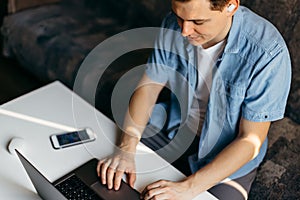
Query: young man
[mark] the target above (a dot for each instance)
(229, 73)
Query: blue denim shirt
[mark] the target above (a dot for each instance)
(251, 79)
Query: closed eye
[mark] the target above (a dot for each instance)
(198, 22)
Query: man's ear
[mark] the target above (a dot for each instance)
(232, 6)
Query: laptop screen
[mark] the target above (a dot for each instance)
(44, 188)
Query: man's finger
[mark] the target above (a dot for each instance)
(103, 170)
(161, 196)
(151, 187)
(98, 168)
(110, 173)
(118, 179)
(156, 184)
(154, 192)
(131, 178)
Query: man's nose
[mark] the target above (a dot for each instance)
(187, 28)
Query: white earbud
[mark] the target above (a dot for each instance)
(230, 8)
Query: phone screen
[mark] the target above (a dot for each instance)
(72, 137)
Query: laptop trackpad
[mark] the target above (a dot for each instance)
(125, 192)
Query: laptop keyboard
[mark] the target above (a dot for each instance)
(74, 188)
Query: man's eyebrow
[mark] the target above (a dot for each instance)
(192, 20)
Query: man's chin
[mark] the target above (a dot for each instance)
(195, 42)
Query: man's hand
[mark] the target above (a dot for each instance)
(112, 169)
(167, 190)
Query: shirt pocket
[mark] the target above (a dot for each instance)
(233, 96)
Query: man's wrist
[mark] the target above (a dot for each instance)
(133, 132)
(190, 186)
(130, 140)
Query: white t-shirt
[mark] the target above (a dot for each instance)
(206, 60)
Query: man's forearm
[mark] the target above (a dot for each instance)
(242, 150)
(139, 112)
(227, 162)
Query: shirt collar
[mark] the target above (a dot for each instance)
(234, 36)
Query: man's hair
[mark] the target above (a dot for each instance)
(214, 4)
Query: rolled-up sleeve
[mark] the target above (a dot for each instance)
(267, 94)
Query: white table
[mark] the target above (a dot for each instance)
(52, 109)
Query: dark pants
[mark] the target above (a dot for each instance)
(237, 189)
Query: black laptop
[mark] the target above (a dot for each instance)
(81, 183)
